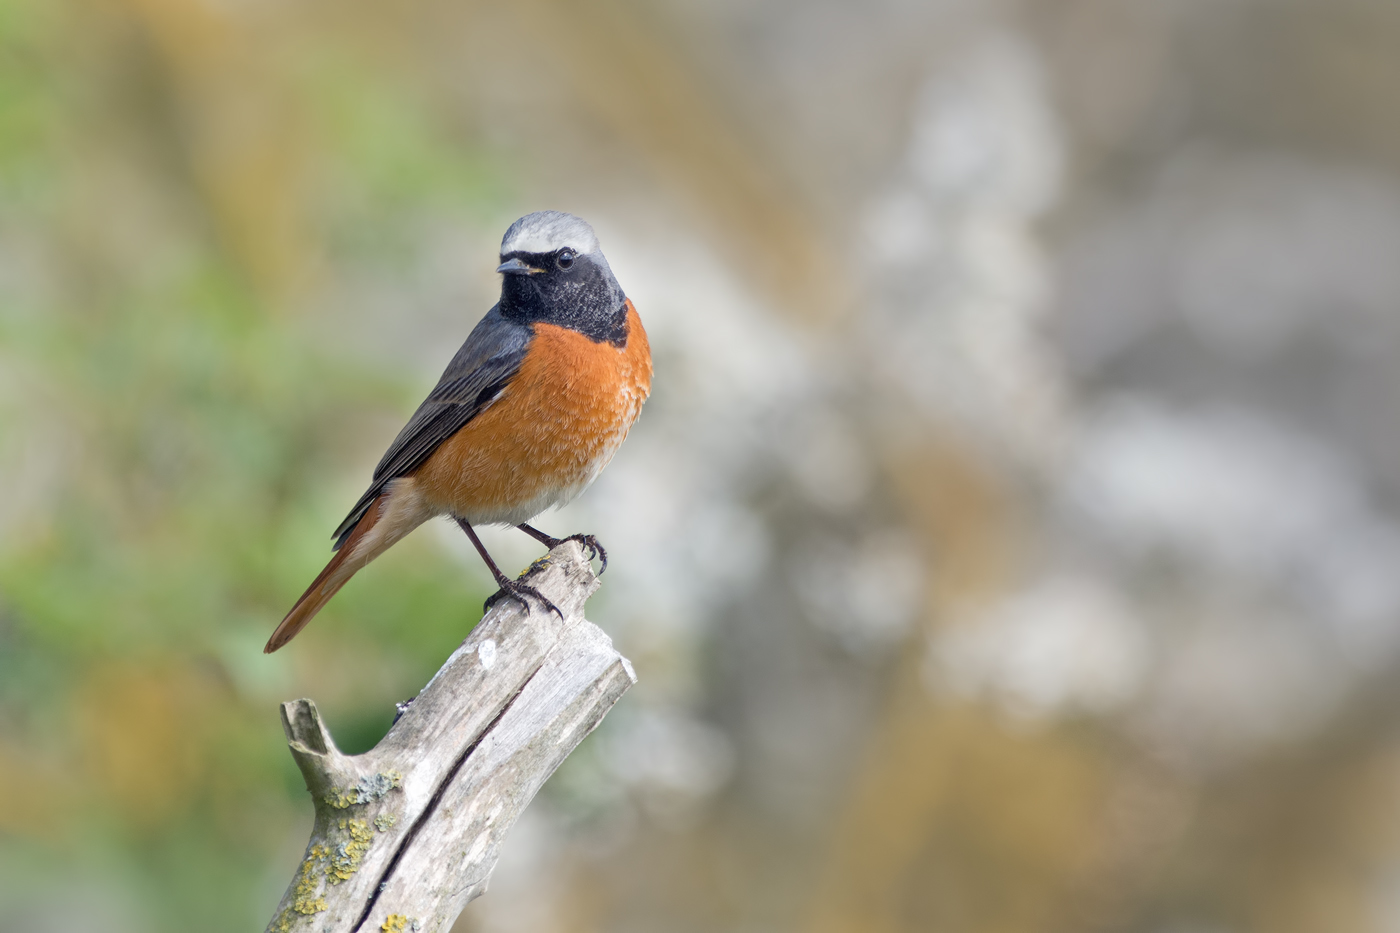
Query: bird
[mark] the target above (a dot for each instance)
(527, 414)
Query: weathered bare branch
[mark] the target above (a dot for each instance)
(407, 833)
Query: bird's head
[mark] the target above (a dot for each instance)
(556, 273)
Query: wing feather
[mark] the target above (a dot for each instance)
(483, 366)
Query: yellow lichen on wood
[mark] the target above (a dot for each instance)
(305, 897)
(366, 789)
(398, 923)
(306, 900)
(345, 860)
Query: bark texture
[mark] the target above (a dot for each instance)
(408, 832)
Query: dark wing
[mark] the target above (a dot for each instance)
(477, 374)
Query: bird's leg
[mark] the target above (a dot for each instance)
(595, 549)
(513, 589)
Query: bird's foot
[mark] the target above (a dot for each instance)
(401, 708)
(593, 546)
(596, 551)
(514, 589)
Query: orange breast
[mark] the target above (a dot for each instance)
(554, 428)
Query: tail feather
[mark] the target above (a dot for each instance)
(327, 583)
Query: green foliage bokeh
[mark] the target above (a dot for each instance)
(178, 439)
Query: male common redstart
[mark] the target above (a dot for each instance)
(526, 416)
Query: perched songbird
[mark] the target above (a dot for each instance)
(526, 416)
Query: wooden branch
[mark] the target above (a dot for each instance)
(407, 833)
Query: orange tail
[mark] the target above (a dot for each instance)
(327, 583)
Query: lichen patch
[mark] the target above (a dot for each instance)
(306, 897)
(346, 857)
(368, 788)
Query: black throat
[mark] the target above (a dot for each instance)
(583, 297)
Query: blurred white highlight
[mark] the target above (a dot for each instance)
(1066, 645)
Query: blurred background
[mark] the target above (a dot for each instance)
(1011, 542)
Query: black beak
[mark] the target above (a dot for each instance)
(516, 267)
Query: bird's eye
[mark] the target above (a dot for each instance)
(566, 258)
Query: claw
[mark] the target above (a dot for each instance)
(596, 551)
(517, 591)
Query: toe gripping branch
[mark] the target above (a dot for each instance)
(595, 548)
(514, 589)
(592, 545)
(509, 589)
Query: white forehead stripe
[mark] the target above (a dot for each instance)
(547, 231)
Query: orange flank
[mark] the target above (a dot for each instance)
(554, 428)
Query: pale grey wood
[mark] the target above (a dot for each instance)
(407, 833)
